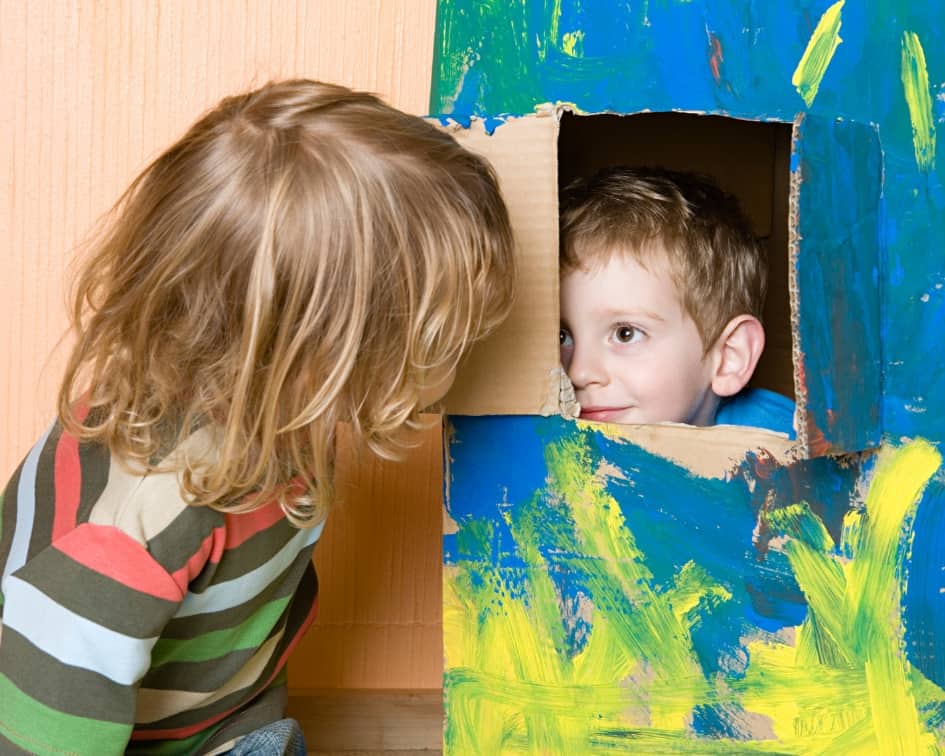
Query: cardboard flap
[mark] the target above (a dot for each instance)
(836, 267)
(514, 371)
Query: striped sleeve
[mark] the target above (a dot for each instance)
(132, 620)
(71, 660)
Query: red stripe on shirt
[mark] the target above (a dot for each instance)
(241, 526)
(111, 552)
(67, 475)
(210, 551)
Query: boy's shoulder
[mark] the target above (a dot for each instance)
(758, 408)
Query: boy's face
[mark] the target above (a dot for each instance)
(632, 352)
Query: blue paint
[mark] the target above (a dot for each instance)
(836, 257)
(472, 452)
(492, 123)
(924, 602)
(451, 120)
(871, 253)
(716, 721)
(506, 506)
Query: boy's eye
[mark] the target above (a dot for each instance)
(626, 334)
(564, 338)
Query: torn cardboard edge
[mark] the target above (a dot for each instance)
(794, 246)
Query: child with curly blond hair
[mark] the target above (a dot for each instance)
(303, 256)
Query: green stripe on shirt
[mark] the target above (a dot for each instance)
(249, 634)
(37, 728)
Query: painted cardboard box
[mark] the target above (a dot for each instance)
(664, 589)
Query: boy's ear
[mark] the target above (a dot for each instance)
(737, 352)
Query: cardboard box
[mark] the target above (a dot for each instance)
(698, 590)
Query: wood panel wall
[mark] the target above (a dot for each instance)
(91, 90)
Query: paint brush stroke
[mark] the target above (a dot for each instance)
(847, 685)
(576, 607)
(915, 84)
(816, 58)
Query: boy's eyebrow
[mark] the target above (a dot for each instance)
(631, 313)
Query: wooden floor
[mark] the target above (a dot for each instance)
(370, 722)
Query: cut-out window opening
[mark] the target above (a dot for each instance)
(749, 159)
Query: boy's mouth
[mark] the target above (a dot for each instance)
(601, 414)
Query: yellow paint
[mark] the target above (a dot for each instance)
(554, 26)
(508, 674)
(915, 84)
(656, 643)
(816, 58)
(572, 43)
(846, 685)
(873, 596)
(839, 683)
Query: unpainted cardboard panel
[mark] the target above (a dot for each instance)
(379, 571)
(508, 373)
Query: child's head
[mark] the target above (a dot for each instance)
(662, 289)
(304, 255)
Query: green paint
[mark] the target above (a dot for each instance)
(915, 84)
(816, 58)
(513, 44)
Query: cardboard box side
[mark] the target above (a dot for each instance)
(379, 573)
(837, 301)
(508, 373)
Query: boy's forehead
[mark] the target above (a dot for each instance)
(621, 280)
(652, 255)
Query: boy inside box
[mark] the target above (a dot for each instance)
(662, 290)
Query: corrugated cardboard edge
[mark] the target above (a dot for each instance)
(560, 398)
(450, 525)
(794, 245)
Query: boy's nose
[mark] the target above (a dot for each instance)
(585, 368)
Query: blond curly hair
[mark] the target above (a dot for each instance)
(304, 255)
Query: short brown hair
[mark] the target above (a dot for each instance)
(718, 265)
(304, 255)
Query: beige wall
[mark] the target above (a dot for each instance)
(91, 89)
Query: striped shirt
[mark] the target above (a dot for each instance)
(132, 622)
